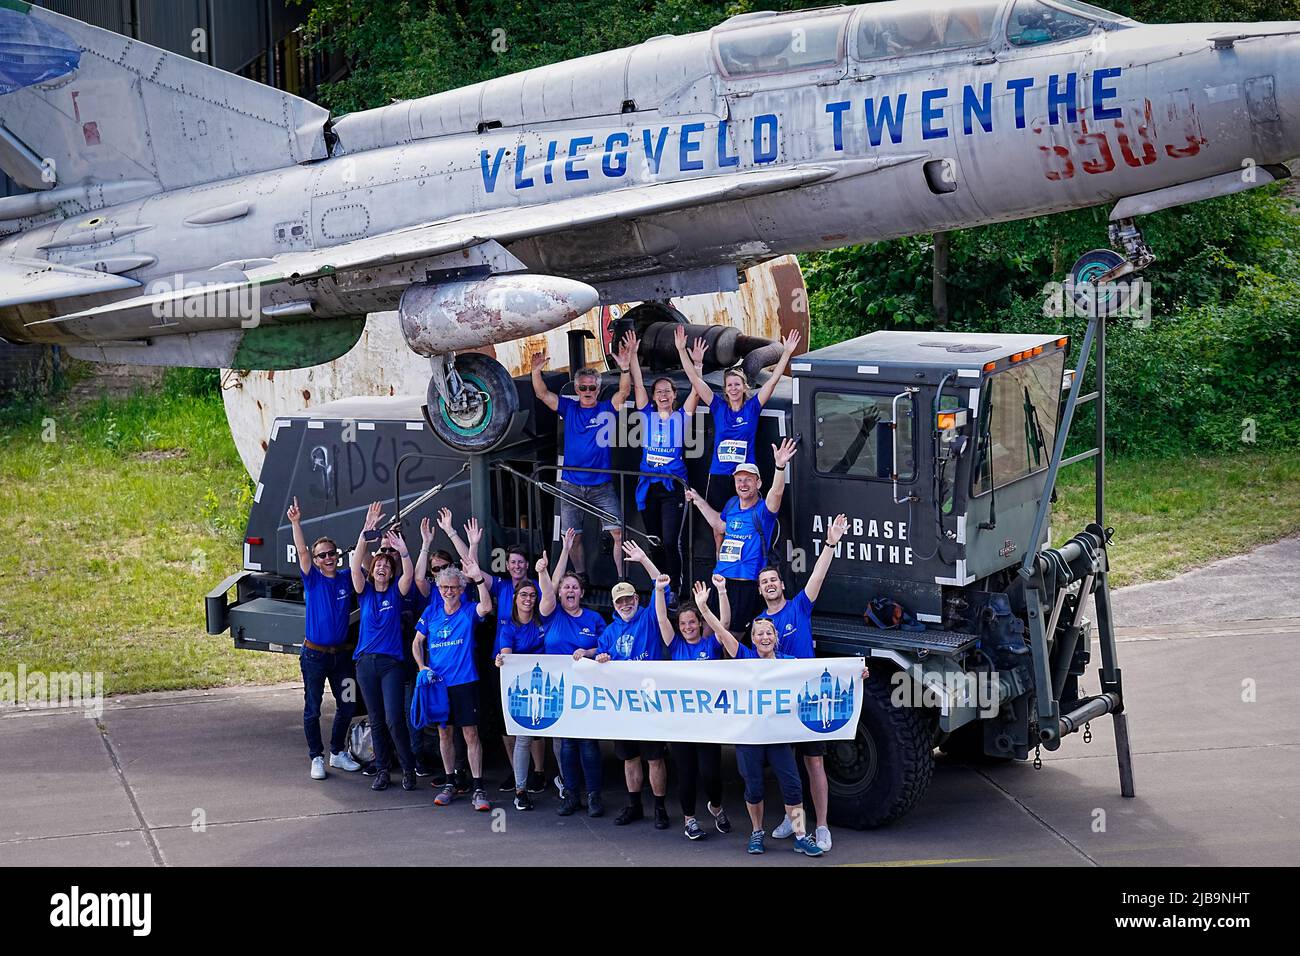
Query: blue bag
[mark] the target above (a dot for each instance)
(429, 704)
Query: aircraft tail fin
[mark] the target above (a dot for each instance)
(80, 105)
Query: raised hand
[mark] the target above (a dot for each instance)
(785, 452)
(836, 530)
(568, 537)
(697, 350)
(469, 567)
(791, 342)
(539, 360)
(294, 514)
(374, 514)
(701, 594)
(426, 532)
(542, 562)
(396, 542)
(662, 582)
(679, 337)
(719, 582)
(444, 520)
(473, 533)
(633, 551)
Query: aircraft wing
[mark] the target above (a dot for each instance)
(503, 225)
(35, 280)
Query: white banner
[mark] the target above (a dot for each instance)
(732, 702)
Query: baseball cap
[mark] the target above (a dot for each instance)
(747, 468)
(622, 590)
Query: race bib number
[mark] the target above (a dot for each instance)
(732, 451)
(658, 461)
(730, 551)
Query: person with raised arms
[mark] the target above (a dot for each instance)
(633, 635)
(520, 632)
(444, 644)
(589, 429)
(698, 764)
(378, 655)
(746, 524)
(793, 623)
(503, 595)
(659, 498)
(735, 417)
(328, 599)
(750, 758)
(574, 630)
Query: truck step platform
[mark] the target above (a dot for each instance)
(846, 636)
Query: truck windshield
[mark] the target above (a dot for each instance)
(1018, 422)
(853, 437)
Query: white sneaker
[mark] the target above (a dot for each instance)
(824, 839)
(318, 768)
(784, 830)
(343, 761)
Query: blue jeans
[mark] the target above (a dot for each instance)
(580, 760)
(383, 685)
(317, 668)
(780, 757)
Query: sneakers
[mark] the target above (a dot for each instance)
(522, 800)
(463, 781)
(806, 846)
(343, 761)
(480, 801)
(445, 795)
(720, 819)
(381, 780)
(369, 770)
(629, 814)
(537, 781)
(693, 830)
(318, 768)
(784, 830)
(423, 769)
(568, 806)
(595, 806)
(409, 782)
(824, 839)
(755, 842)
(508, 784)
(661, 819)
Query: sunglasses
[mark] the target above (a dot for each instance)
(386, 551)
(325, 554)
(435, 568)
(588, 388)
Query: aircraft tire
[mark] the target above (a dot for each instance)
(885, 770)
(480, 430)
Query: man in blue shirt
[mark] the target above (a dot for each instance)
(328, 596)
(793, 623)
(444, 643)
(746, 524)
(634, 635)
(590, 431)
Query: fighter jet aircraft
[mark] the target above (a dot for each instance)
(185, 216)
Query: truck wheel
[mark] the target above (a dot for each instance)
(883, 772)
(482, 422)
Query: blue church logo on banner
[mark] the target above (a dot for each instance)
(537, 704)
(827, 706)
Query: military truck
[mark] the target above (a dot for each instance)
(943, 448)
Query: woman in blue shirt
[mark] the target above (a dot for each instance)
(380, 667)
(735, 417)
(696, 762)
(664, 426)
(520, 632)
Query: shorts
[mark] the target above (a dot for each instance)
(811, 748)
(462, 705)
(720, 490)
(603, 496)
(631, 749)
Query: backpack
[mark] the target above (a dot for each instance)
(887, 614)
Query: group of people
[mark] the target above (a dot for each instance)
(546, 614)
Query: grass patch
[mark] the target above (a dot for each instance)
(121, 524)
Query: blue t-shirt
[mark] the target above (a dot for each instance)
(662, 449)
(449, 644)
(329, 602)
(745, 541)
(706, 648)
(566, 633)
(381, 621)
(733, 434)
(635, 640)
(527, 638)
(503, 599)
(794, 626)
(744, 653)
(588, 436)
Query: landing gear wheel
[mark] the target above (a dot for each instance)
(883, 772)
(1092, 295)
(472, 409)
